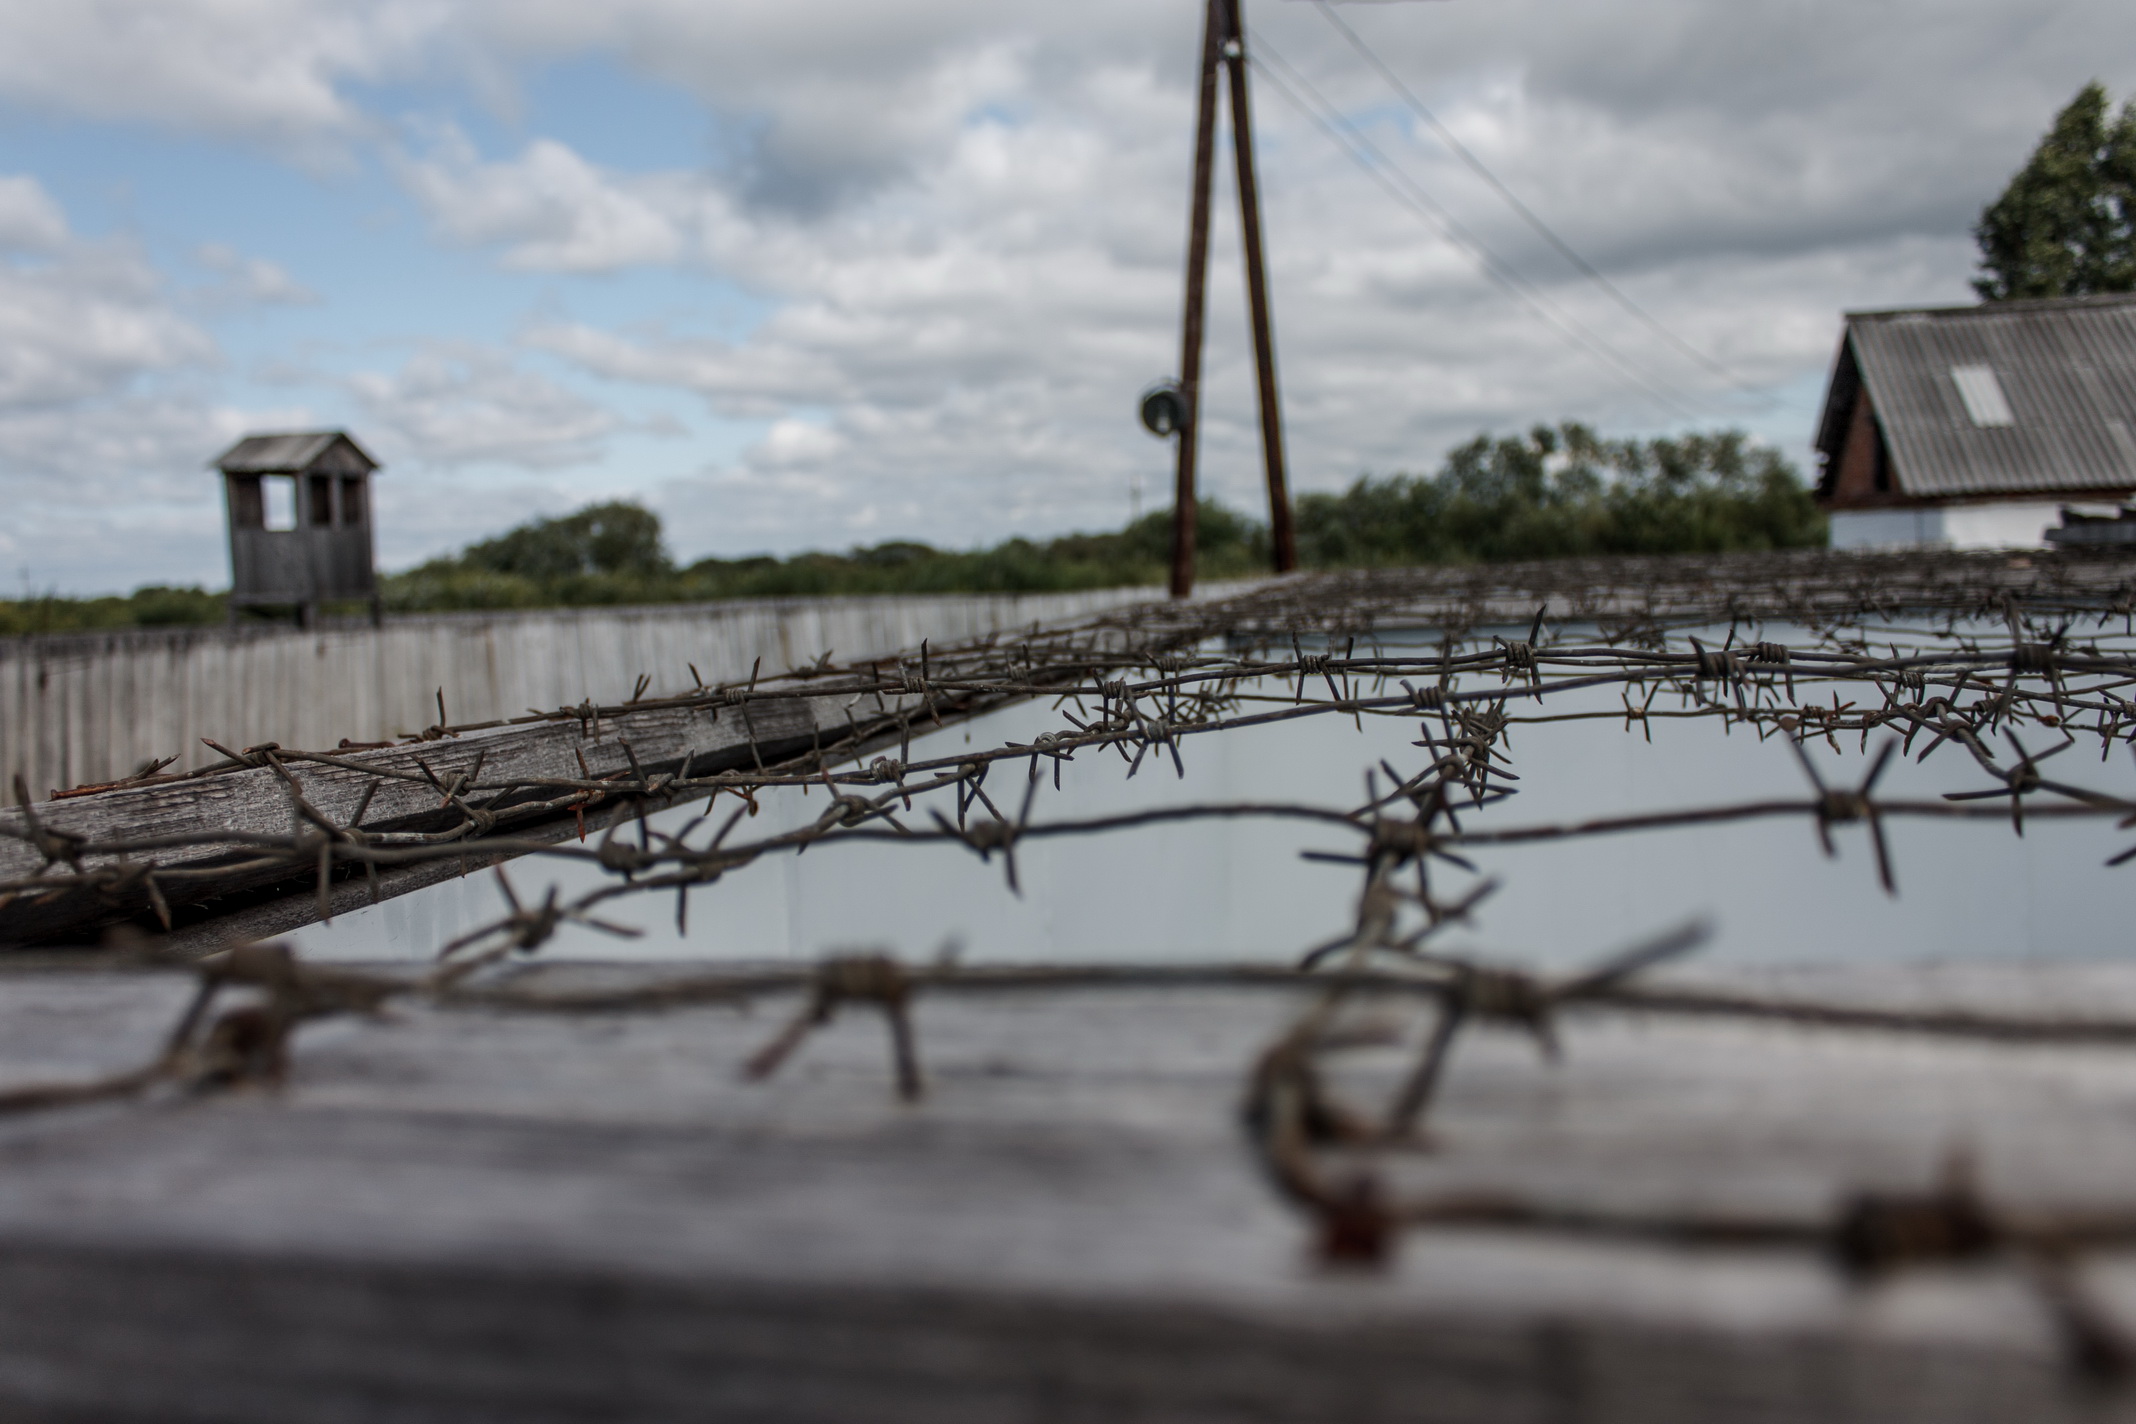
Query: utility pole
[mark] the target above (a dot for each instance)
(1224, 46)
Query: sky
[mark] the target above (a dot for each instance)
(817, 273)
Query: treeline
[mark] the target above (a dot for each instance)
(152, 607)
(1554, 492)
(1563, 492)
(612, 553)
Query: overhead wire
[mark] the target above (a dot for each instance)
(1382, 169)
(1528, 215)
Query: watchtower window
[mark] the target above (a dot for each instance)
(246, 511)
(321, 496)
(352, 500)
(278, 499)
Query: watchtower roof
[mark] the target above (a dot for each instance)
(299, 452)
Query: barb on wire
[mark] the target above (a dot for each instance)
(1841, 806)
(1518, 1000)
(870, 978)
(522, 931)
(1911, 652)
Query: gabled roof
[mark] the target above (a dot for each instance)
(295, 453)
(2003, 398)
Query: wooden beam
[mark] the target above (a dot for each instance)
(257, 800)
(456, 1215)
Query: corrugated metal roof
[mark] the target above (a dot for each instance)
(293, 452)
(2066, 371)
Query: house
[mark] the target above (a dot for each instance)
(1973, 427)
(300, 522)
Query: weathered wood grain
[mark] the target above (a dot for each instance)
(256, 800)
(468, 1215)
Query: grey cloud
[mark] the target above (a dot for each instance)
(272, 73)
(111, 493)
(548, 208)
(459, 404)
(86, 320)
(739, 383)
(1658, 128)
(822, 104)
(30, 221)
(107, 410)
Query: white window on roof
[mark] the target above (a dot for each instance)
(1982, 394)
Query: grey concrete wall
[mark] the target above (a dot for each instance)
(79, 709)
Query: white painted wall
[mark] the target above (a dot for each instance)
(1885, 528)
(1990, 524)
(81, 709)
(2003, 525)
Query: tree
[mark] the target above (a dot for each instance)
(2066, 225)
(615, 538)
(1567, 491)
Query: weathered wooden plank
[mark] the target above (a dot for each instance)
(256, 800)
(474, 1215)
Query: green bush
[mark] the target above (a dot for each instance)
(160, 607)
(152, 607)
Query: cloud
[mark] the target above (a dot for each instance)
(963, 327)
(549, 209)
(818, 105)
(111, 492)
(108, 407)
(243, 281)
(757, 380)
(798, 444)
(460, 404)
(80, 318)
(960, 223)
(29, 220)
(268, 71)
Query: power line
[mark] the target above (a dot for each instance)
(1512, 200)
(1406, 190)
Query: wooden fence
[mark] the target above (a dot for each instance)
(84, 708)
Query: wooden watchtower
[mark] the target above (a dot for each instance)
(300, 522)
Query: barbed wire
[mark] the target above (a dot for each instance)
(2003, 664)
(1943, 695)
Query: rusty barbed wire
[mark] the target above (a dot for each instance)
(1970, 654)
(2047, 682)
